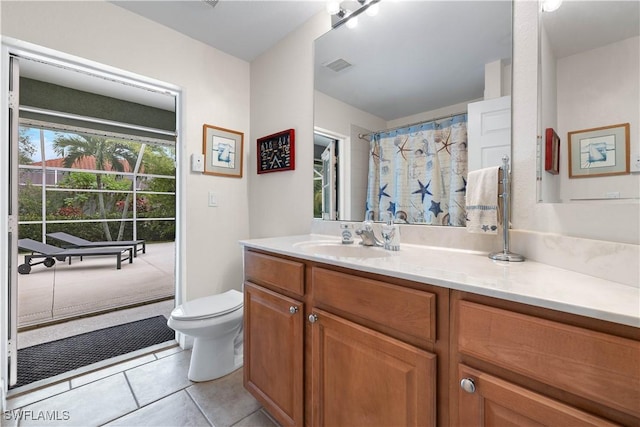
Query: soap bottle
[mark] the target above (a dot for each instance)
(391, 234)
(347, 233)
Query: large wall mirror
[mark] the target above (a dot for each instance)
(589, 114)
(416, 66)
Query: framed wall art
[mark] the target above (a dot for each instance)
(277, 152)
(222, 151)
(599, 151)
(552, 152)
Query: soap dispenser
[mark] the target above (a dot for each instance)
(391, 234)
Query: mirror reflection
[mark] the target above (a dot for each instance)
(589, 91)
(403, 106)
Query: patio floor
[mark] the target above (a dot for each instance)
(93, 285)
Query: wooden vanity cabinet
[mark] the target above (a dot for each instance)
(274, 335)
(370, 347)
(367, 368)
(515, 364)
(328, 346)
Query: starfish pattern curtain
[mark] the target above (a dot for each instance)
(419, 173)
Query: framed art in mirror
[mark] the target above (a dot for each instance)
(552, 152)
(277, 152)
(222, 150)
(599, 151)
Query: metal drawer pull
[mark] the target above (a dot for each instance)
(468, 385)
(313, 318)
(293, 309)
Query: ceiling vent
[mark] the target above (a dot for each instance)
(211, 3)
(337, 65)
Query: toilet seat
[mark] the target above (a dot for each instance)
(209, 307)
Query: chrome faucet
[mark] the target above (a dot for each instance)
(367, 235)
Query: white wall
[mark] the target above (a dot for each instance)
(215, 90)
(597, 88)
(548, 111)
(281, 203)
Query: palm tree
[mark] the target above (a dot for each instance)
(108, 153)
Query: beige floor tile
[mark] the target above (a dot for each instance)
(224, 401)
(90, 405)
(161, 378)
(175, 410)
(111, 370)
(257, 419)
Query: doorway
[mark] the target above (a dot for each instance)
(325, 176)
(93, 154)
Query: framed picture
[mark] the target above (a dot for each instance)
(277, 152)
(222, 151)
(552, 152)
(599, 151)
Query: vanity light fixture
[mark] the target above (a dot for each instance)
(352, 22)
(550, 5)
(340, 15)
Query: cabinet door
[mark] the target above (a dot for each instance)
(273, 353)
(485, 400)
(361, 377)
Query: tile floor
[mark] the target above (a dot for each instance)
(150, 390)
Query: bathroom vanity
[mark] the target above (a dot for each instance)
(346, 335)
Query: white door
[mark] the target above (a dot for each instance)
(11, 191)
(329, 182)
(489, 132)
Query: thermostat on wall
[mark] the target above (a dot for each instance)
(197, 162)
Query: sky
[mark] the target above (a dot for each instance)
(49, 136)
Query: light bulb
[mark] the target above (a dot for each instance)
(373, 9)
(352, 22)
(551, 5)
(333, 7)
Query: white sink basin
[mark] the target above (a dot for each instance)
(337, 249)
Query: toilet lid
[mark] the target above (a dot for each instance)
(211, 306)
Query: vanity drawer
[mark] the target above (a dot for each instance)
(405, 313)
(594, 365)
(275, 272)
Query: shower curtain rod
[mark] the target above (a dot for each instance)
(448, 116)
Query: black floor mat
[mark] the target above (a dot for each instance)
(56, 357)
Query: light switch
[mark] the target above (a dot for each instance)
(213, 199)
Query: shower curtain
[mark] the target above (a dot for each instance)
(419, 173)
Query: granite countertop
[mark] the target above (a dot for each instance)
(526, 282)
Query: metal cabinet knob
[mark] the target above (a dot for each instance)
(293, 309)
(468, 385)
(313, 318)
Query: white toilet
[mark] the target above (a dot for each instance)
(215, 323)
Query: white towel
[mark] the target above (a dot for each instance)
(482, 201)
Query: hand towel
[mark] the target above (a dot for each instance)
(482, 200)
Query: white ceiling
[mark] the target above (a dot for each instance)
(578, 26)
(242, 28)
(247, 28)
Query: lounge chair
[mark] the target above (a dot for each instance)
(52, 253)
(78, 242)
